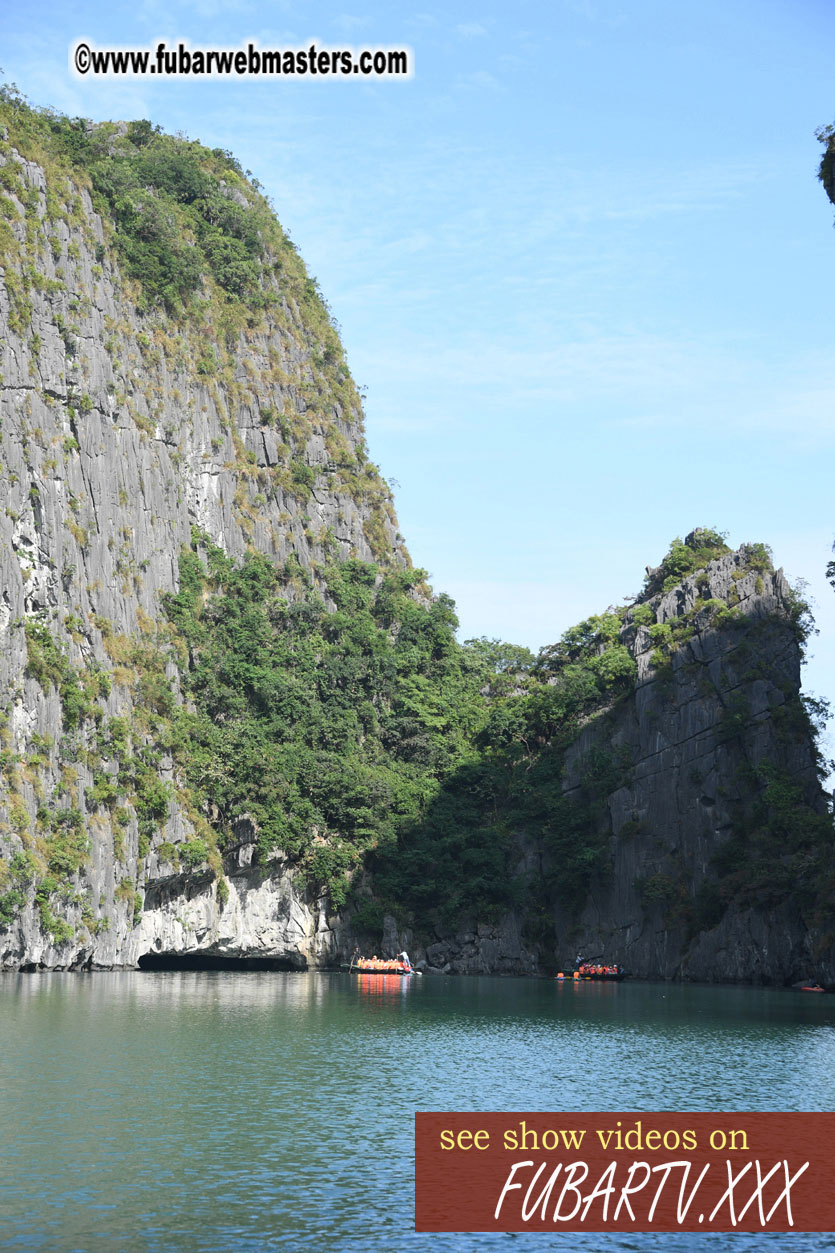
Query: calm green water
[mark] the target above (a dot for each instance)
(215, 1111)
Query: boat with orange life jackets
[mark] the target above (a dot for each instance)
(594, 972)
(399, 965)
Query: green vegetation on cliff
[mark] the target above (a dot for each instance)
(186, 221)
(365, 734)
(358, 734)
(683, 558)
(215, 296)
(324, 732)
(826, 170)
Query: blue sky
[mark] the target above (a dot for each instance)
(580, 260)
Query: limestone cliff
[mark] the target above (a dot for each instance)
(234, 723)
(707, 733)
(122, 428)
(702, 802)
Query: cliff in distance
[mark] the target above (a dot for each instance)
(234, 721)
(677, 826)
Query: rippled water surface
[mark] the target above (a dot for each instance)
(215, 1111)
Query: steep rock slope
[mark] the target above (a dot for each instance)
(131, 414)
(704, 851)
(679, 828)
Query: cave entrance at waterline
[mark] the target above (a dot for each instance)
(212, 961)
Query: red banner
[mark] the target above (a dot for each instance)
(624, 1172)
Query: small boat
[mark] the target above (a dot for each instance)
(363, 966)
(812, 987)
(589, 972)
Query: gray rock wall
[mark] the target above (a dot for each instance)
(118, 434)
(694, 737)
(690, 739)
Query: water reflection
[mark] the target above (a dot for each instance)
(377, 987)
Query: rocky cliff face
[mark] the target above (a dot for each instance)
(120, 432)
(703, 733)
(716, 812)
(134, 430)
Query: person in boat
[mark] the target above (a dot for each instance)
(403, 958)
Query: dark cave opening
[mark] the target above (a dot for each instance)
(213, 961)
